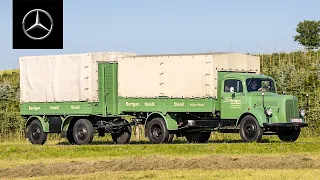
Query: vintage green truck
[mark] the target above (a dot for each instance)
(187, 95)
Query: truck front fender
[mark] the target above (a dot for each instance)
(257, 113)
(44, 122)
(170, 122)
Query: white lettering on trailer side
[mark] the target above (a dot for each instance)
(34, 108)
(54, 107)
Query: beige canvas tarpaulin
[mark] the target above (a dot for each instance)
(61, 78)
(180, 75)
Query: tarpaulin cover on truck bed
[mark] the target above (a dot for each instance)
(179, 75)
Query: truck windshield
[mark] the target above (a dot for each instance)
(260, 84)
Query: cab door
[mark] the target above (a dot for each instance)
(232, 99)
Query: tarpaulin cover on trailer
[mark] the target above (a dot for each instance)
(61, 78)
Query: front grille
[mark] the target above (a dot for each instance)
(292, 109)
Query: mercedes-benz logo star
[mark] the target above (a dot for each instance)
(37, 24)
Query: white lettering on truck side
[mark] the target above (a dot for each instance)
(197, 104)
(132, 104)
(34, 108)
(149, 104)
(178, 104)
(75, 106)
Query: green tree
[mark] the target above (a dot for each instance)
(308, 34)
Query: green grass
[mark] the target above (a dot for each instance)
(10, 151)
(142, 160)
(101, 148)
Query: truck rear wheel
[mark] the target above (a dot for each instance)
(35, 133)
(157, 131)
(70, 137)
(289, 135)
(124, 136)
(171, 136)
(198, 137)
(250, 129)
(83, 132)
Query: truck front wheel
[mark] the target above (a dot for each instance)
(250, 129)
(198, 137)
(289, 135)
(35, 133)
(83, 132)
(157, 131)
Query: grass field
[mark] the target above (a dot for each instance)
(223, 159)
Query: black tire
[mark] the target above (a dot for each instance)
(70, 137)
(250, 130)
(35, 133)
(198, 137)
(123, 137)
(83, 132)
(157, 131)
(171, 136)
(289, 135)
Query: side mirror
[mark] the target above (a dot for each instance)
(232, 89)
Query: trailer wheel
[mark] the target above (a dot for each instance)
(157, 131)
(198, 137)
(83, 132)
(289, 135)
(35, 133)
(250, 129)
(124, 136)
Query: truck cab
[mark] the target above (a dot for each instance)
(251, 102)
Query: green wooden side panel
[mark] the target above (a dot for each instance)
(111, 83)
(108, 89)
(58, 108)
(166, 105)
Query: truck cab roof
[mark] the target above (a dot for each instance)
(243, 75)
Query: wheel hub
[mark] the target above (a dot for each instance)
(81, 133)
(156, 132)
(36, 133)
(250, 130)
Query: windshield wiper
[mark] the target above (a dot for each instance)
(249, 81)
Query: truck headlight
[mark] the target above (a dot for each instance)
(302, 112)
(268, 111)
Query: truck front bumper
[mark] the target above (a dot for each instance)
(284, 125)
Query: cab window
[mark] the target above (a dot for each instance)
(236, 84)
(260, 84)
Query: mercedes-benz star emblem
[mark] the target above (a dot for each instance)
(37, 24)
